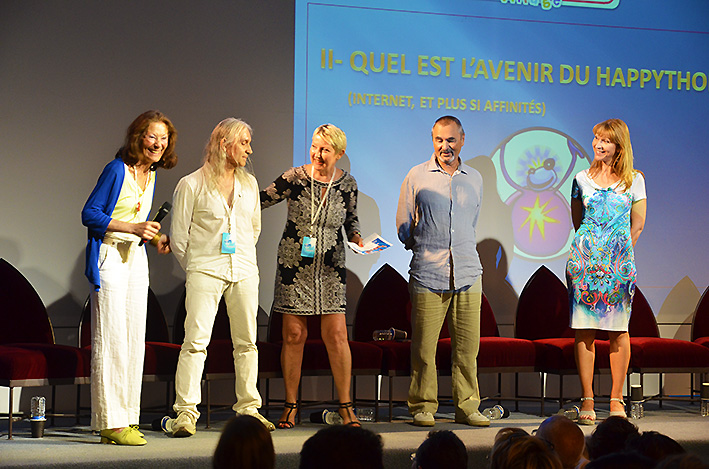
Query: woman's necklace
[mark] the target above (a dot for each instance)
(309, 242)
(141, 190)
(313, 213)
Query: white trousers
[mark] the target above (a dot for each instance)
(118, 317)
(202, 301)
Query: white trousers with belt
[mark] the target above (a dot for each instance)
(201, 303)
(118, 317)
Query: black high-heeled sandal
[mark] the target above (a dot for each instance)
(350, 411)
(287, 424)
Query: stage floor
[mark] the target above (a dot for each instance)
(75, 446)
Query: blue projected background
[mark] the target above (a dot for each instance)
(528, 84)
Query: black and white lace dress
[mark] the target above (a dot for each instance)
(312, 285)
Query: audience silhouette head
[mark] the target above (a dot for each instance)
(441, 449)
(342, 447)
(654, 445)
(564, 437)
(245, 444)
(610, 437)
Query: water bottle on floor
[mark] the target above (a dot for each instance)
(637, 410)
(572, 413)
(166, 424)
(496, 412)
(327, 417)
(385, 334)
(37, 406)
(37, 416)
(389, 334)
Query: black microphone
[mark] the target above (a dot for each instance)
(162, 213)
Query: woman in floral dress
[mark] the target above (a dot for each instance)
(608, 206)
(310, 276)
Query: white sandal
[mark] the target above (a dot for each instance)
(587, 417)
(618, 413)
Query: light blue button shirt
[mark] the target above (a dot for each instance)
(436, 219)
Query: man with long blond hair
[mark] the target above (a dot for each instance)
(216, 223)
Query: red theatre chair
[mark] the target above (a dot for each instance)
(651, 354)
(496, 355)
(700, 323)
(543, 317)
(28, 355)
(384, 303)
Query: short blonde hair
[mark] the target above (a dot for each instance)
(332, 135)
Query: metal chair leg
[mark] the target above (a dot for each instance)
(209, 404)
(377, 384)
(391, 393)
(10, 417)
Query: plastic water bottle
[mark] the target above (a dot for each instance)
(365, 414)
(496, 412)
(383, 334)
(37, 416)
(37, 408)
(572, 413)
(704, 405)
(166, 424)
(331, 417)
(637, 410)
(327, 417)
(389, 334)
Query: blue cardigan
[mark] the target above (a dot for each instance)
(96, 214)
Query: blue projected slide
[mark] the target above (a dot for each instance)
(528, 79)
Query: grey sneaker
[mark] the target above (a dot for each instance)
(184, 425)
(424, 419)
(476, 419)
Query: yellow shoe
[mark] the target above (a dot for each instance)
(136, 428)
(125, 436)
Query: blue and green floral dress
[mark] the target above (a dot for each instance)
(600, 272)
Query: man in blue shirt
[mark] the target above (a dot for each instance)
(438, 211)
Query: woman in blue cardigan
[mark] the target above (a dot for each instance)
(116, 215)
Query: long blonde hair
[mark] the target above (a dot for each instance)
(617, 132)
(214, 152)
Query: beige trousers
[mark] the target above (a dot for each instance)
(429, 310)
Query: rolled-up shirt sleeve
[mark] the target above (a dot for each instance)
(406, 213)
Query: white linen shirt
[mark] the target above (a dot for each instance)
(200, 216)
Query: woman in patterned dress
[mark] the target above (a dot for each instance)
(608, 206)
(310, 276)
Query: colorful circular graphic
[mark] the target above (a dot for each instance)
(535, 169)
